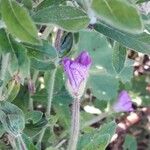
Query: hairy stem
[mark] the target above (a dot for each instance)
(49, 103)
(75, 125)
(58, 39)
(41, 137)
(50, 92)
(34, 78)
(23, 146)
(4, 65)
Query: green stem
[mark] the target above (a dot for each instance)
(20, 145)
(41, 137)
(50, 91)
(34, 78)
(75, 125)
(23, 146)
(4, 65)
(49, 103)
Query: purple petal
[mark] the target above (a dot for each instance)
(84, 59)
(124, 103)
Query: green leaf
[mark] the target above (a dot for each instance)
(61, 104)
(67, 17)
(12, 118)
(41, 65)
(130, 143)
(47, 3)
(142, 1)
(119, 57)
(18, 21)
(45, 48)
(127, 73)
(139, 42)
(5, 46)
(118, 13)
(21, 58)
(104, 87)
(99, 49)
(98, 139)
(13, 90)
(27, 3)
(35, 116)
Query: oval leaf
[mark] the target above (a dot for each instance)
(67, 17)
(18, 21)
(118, 13)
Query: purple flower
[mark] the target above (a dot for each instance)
(77, 71)
(124, 103)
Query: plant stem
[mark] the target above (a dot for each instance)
(34, 78)
(23, 146)
(4, 65)
(50, 91)
(49, 103)
(75, 124)
(58, 39)
(41, 137)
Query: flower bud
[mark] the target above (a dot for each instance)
(77, 73)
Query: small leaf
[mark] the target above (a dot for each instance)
(130, 143)
(98, 139)
(108, 10)
(12, 118)
(35, 116)
(119, 57)
(18, 21)
(21, 58)
(67, 17)
(13, 90)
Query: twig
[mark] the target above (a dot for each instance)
(60, 143)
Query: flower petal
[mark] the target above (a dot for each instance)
(84, 59)
(124, 102)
